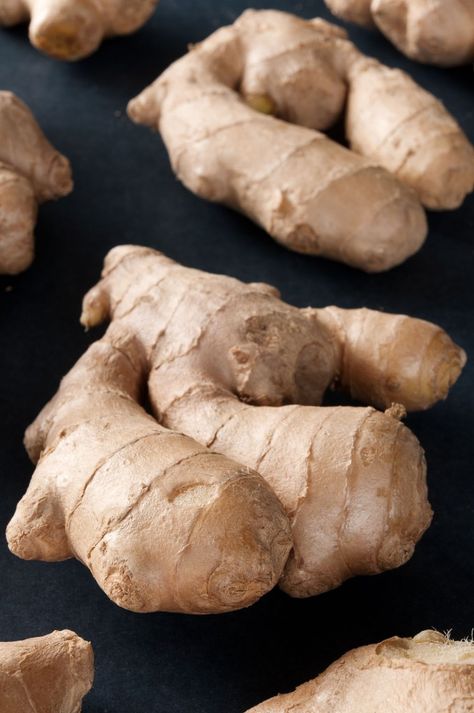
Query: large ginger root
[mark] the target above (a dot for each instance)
(433, 31)
(308, 192)
(224, 361)
(73, 29)
(429, 672)
(31, 172)
(50, 674)
(162, 523)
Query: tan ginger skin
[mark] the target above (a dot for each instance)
(310, 193)
(428, 673)
(229, 364)
(50, 674)
(437, 32)
(31, 172)
(73, 29)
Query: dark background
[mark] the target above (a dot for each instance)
(126, 193)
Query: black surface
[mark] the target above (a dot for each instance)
(126, 193)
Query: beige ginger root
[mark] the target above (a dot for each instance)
(308, 192)
(228, 364)
(161, 522)
(73, 29)
(50, 674)
(433, 31)
(31, 172)
(426, 673)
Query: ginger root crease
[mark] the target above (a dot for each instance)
(50, 674)
(437, 32)
(162, 522)
(359, 206)
(31, 172)
(73, 29)
(428, 672)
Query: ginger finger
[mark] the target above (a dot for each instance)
(74, 29)
(49, 674)
(31, 172)
(429, 672)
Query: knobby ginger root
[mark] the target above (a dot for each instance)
(50, 674)
(74, 29)
(308, 192)
(162, 523)
(433, 31)
(428, 672)
(31, 172)
(228, 364)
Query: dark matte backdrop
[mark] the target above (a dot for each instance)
(126, 193)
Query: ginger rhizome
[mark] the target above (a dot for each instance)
(161, 522)
(426, 673)
(49, 674)
(437, 32)
(235, 368)
(31, 172)
(73, 29)
(359, 206)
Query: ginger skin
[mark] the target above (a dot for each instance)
(31, 172)
(428, 672)
(228, 364)
(311, 194)
(50, 674)
(74, 29)
(439, 32)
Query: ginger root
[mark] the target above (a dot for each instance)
(31, 172)
(311, 194)
(428, 672)
(161, 522)
(437, 32)
(228, 364)
(73, 29)
(50, 674)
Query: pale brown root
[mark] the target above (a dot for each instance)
(395, 122)
(29, 152)
(429, 672)
(309, 193)
(31, 171)
(50, 673)
(12, 12)
(353, 481)
(438, 32)
(73, 29)
(225, 359)
(127, 16)
(377, 363)
(18, 210)
(358, 11)
(162, 523)
(66, 30)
